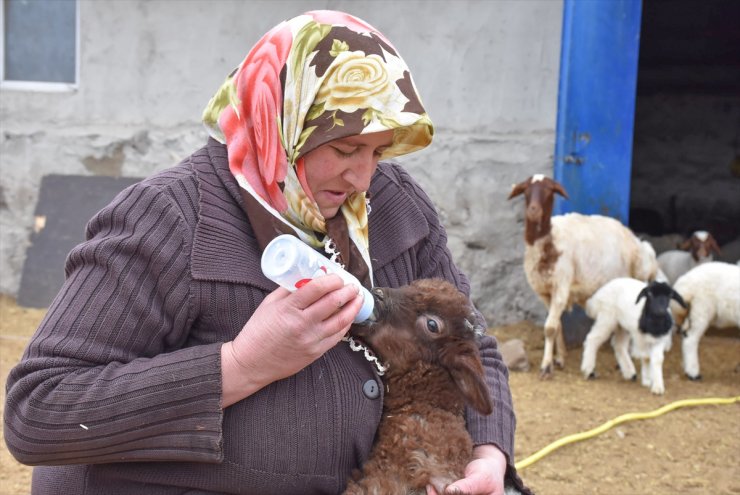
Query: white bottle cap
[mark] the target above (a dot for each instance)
(368, 304)
(280, 258)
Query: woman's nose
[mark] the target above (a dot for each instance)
(361, 171)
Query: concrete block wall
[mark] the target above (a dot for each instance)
(487, 72)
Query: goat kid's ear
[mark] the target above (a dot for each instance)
(558, 188)
(677, 297)
(643, 293)
(518, 189)
(467, 373)
(712, 245)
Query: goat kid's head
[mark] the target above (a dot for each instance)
(701, 245)
(539, 194)
(428, 321)
(656, 317)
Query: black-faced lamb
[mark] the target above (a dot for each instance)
(712, 294)
(697, 249)
(568, 257)
(424, 334)
(631, 310)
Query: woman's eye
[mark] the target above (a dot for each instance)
(345, 154)
(432, 326)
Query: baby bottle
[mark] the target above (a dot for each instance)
(291, 263)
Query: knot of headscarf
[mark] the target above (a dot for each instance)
(321, 76)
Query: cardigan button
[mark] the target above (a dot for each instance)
(371, 389)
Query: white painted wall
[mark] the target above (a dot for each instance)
(487, 72)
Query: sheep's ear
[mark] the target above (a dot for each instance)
(558, 188)
(685, 245)
(467, 373)
(643, 293)
(677, 297)
(517, 189)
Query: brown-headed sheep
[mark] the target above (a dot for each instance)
(567, 258)
(424, 334)
(697, 249)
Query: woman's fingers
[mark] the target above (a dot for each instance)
(325, 296)
(317, 288)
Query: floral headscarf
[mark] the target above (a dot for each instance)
(321, 76)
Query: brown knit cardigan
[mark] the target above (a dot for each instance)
(125, 368)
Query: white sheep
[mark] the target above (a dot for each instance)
(618, 310)
(712, 293)
(694, 251)
(568, 257)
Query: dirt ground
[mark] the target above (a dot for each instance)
(691, 450)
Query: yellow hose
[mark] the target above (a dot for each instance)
(576, 437)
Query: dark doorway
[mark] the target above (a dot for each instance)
(686, 150)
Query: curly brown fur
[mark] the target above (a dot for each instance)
(423, 332)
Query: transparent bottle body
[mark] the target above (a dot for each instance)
(290, 263)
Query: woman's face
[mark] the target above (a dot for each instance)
(339, 168)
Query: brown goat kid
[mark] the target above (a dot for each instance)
(423, 333)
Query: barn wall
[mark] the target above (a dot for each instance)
(487, 73)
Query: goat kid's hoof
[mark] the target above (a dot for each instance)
(546, 372)
(634, 378)
(560, 363)
(455, 491)
(591, 376)
(693, 378)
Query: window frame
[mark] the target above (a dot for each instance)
(40, 86)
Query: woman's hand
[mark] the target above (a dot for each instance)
(287, 332)
(484, 475)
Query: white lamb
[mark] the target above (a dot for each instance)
(618, 309)
(568, 257)
(694, 251)
(712, 293)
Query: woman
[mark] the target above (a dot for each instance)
(169, 364)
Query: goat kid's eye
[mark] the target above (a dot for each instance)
(432, 325)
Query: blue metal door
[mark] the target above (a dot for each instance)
(596, 104)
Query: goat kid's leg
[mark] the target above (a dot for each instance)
(546, 366)
(656, 369)
(620, 344)
(645, 372)
(553, 333)
(695, 329)
(560, 350)
(599, 333)
(382, 483)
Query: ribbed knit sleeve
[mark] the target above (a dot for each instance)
(104, 378)
(433, 259)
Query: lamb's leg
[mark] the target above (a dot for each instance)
(645, 378)
(695, 328)
(553, 332)
(656, 369)
(599, 333)
(621, 345)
